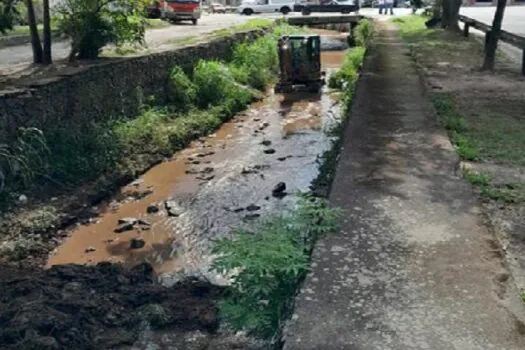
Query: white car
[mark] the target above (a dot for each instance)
(250, 7)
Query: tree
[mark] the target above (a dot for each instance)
(493, 36)
(8, 14)
(450, 14)
(92, 24)
(47, 59)
(38, 54)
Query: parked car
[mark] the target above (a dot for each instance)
(343, 6)
(249, 7)
(181, 10)
(216, 8)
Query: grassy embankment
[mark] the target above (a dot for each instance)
(485, 124)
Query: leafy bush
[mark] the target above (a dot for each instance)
(267, 262)
(92, 24)
(364, 33)
(347, 74)
(215, 84)
(181, 91)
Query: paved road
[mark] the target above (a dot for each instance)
(513, 21)
(19, 55)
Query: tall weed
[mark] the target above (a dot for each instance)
(267, 262)
(364, 33)
(182, 93)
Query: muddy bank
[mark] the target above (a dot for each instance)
(97, 307)
(250, 168)
(220, 183)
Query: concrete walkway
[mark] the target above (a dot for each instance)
(413, 266)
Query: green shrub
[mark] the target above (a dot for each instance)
(216, 85)
(267, 262)
(364, 33)
(92, 24)
(181, 90)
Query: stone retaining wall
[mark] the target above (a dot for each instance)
(112, 88)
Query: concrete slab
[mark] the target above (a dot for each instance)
(413, 267)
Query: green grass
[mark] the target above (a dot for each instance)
(456, 126)
(266, 262)
(475, 178)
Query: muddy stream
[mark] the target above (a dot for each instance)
(219, 183)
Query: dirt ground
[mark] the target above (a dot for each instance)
(493, 106)
(97, 307)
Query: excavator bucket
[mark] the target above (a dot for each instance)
(299, 63)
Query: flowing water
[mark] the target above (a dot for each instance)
(218, 183)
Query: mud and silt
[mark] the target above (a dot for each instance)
(219, 183)
(177, 210)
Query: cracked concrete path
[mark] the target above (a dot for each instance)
(413, 267)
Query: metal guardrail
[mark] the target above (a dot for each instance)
(510, 38)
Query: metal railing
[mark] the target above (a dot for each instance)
(510, 38)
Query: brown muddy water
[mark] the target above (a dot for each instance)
(219, 183)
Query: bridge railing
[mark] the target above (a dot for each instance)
(510, 38)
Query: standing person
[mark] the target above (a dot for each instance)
(389, 4)
(381, 4)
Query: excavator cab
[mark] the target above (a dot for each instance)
(300, 64)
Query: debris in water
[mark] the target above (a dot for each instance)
(269, 151)
(253, 207)
(238, 210)
(143, 222)
(281, 159)
(128, 226)
(127, 220)
(266, 142)
(152, 209)
(207, 170)
(137, 243)
(90, 249)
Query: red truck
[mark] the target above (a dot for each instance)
(180, 10)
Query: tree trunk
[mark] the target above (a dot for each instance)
(47, 59)
(445, 13)
(492, 42)
(35, 38)
(453, 18)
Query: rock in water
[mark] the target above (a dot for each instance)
(266, 142)
(279, 190)
(137, 243)
(152, 209)
(90, 249)
(127, 226)
(269, 151)
(253, 207)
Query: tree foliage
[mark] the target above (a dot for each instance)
(92, 24)
(8, 14)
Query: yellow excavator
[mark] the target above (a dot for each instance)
(300, 64)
